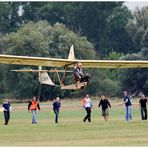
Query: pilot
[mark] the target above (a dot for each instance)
(79, 75)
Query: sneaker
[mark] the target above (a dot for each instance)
(83, 120)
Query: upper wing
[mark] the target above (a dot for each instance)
(114, 64)
(53, 62)
(34, 61)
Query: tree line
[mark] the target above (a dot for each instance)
(98, 30)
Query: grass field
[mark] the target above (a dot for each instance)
(71, 131)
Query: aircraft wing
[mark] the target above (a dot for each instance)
(53, 62)
(34, 61)
(114, 64)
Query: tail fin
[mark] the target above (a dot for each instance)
(71, 55)
(45, 79)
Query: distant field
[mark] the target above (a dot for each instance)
(71, 131)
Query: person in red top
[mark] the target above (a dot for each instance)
(33, 106)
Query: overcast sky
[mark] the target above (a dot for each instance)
(133, 4)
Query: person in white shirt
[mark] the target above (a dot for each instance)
(88, 106)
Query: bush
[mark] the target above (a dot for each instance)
(110, 87)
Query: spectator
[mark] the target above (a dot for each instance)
(6, 109)
(105, 104)
(33, 106)
(143, 107)
(56, 108)
(128, 104)
(88, 106)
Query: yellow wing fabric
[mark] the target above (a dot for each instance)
(34, 61)
(114, 64)
(53, 62)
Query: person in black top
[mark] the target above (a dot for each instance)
(143, 106)
(105, 104)
(6, 109)
(56, 108)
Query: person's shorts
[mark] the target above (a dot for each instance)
(105, 112)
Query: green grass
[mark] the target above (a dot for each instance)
(71, 131)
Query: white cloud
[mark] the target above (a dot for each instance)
(133, 4)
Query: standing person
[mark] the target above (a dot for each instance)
(6, 109)
(128, 104)
(105, 104)
(33, 106)
(56, 108)
(143, 106)
(88, 106)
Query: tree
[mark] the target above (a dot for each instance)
(9, 16)
(135, 80)
(4, 16)
(119, 39)
(15, 19)
(31, 11)
(100, 22)
(138, 29)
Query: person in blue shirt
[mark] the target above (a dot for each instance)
(128, 104)
(56, 108)
(6, 109)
